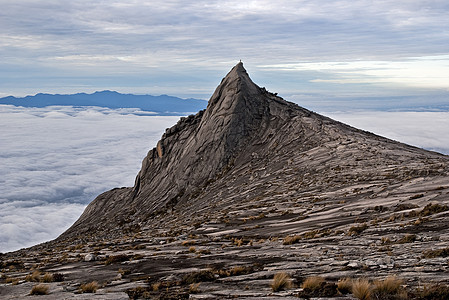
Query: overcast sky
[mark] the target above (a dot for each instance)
(301, 49)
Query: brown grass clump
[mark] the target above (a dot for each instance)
(200, 276)
(431, 209)
(117, 259)
(313, 283)
(155, 286)
(188, 243)
(281, 281)
(90, 287)
(436, 253)
(192, 249)
(408, 238)
(433, 292)
(355, 230)
(194, 288)
(13, 281)
(289, 240)
(40, 289)
(361, 289)
(344, 285)
(34, 277)
(48, 277)
(389, 288)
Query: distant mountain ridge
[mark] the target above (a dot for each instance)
(162, 104)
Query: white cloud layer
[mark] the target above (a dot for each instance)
(56, 160)
(428, 130)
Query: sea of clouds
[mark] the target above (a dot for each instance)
(55, 160)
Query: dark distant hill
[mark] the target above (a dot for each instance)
(162, 104)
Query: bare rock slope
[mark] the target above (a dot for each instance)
(250, 187)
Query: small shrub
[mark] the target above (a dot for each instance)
(124, 272)
(355, 230)
(389, 288)
(289, 240)
(433, 292)
(194, 288)
(34, 277)
(436, 253)
(361, 289)
(408, 238)
(138, 293)
(48, 277)
(239, 270)
(385, 241)
(116, 259)
(90, 287)
(431, 209)
(192, 249)
(405, 206)
(188, 243)
(195, 277)
(155, 286)
(13, 281)
(238, 242)
(40, 289)
(281, 281)
(313, 283)
(344, 285)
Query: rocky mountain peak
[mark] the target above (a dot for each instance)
(230, 190)
(232, 152)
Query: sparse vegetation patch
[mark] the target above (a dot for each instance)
(40, 289)
(281, 281)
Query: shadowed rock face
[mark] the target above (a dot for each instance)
(250, 187)
(235, 151)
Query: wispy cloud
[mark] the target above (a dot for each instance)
(185, 47)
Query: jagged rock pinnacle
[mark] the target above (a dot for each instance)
(244, 128)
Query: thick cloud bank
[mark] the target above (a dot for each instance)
(54, 161)
(428, 130)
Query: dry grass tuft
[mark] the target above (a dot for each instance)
(48, 277)
(344, 285)
(361, 289)
(34, 277)
(408, 238)
(293, 239)
(436, 253)
(389, 286)
(355, 230)
(155, 286)
(313, 283)
(434, 291)
(90, 287)
(194, 288)
(281, 281)
(40, 289)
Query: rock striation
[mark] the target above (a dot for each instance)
(248, 188)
